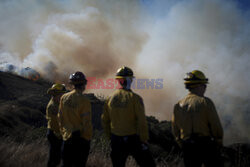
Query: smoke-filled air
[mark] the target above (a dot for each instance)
(157, 39)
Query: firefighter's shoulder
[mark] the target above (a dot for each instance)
(194, 99)
(137, 97)
(66, 95)
(183, 101)
(68, 99)
(208, 101)
(50, 103)
(84, 98)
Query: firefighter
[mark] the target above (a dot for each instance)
(53, 134)
(125, 123)
(196, 125)
(75, 123)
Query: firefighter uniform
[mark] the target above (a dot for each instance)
(51, 116)
(196, 115)
(196, 126)
(53, 134)
(124, 121)
(76, 128)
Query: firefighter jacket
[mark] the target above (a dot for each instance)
(124, 115)
(196, 115)
(51, 116)
(75, 115)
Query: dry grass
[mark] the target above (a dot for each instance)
(32, 150)
(14, 154)
(22, 155)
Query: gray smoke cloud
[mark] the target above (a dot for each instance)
(90, 36)
(158, 39)
(212, 36)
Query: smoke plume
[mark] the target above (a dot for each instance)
(71, 36)
(212, 36)
(157, 39)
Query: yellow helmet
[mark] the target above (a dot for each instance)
(56, 89)
(196, 77)
(124, 72)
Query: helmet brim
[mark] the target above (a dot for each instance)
(54, 92)
(196, 82)
(72, 82)
(123, 77)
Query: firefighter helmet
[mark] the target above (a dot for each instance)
(124, 72)
(56, 89)
(196, 77)
(77, 78)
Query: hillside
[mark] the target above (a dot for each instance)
(22, 104)
(23, 129)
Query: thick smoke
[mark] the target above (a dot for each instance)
(158, 39)
(87, 36)
(212, 36)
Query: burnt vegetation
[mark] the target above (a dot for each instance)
(23, 130)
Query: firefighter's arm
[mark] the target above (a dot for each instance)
(86, 117)
(106, 120)
(175, 128)
(48, 112)
(214, 123)
(59, 116)
(142, 126)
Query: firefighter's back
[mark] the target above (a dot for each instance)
(191, 113)
(73, 107)
(121, 106)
